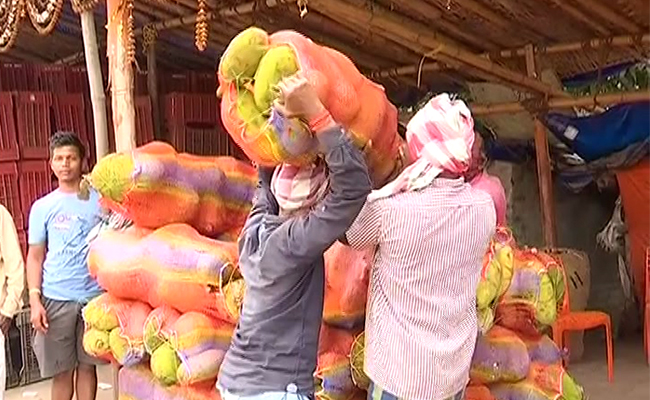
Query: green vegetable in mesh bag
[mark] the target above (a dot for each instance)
(248, 111)
(490, 283)
(485, 319)
(546, 307)
(164, 364)
(278, 63)
(242, 56)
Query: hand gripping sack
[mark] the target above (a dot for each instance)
(138, 383)
(114, 329)
(155, 186)
(185, 349)
(346, 286)
(354, 101)
(499, 356)
(173, 266)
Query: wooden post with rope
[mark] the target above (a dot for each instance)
(544, 177)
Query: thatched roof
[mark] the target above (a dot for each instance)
(428, 43)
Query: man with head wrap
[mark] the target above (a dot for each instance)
(274, 347)
(431, 230)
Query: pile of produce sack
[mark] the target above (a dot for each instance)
(155, 186)
(173, 265)
(255, 62)
(114, 329)
(185, 349)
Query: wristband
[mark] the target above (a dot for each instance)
(34, 291)
(320, 121)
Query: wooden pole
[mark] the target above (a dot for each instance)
(121, 76)
(544, 176)
(95, 82)
(564, 103)
(152, 86)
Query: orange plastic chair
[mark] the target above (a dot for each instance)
(646, 319)
(571, 321)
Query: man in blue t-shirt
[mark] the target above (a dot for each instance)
(57, 274)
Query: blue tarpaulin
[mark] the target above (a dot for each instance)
(600, 135)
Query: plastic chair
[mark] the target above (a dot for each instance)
(571, 321)
(646, 319)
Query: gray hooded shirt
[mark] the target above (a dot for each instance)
(274, 347)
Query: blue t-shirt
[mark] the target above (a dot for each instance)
(62, 221)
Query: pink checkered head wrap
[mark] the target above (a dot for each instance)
(297, 188)
(440, 138)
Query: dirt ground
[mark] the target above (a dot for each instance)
(631, 375)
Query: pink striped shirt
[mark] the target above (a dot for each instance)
(421, 324)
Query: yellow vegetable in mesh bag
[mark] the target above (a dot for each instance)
(233, 294)
(485, 319)
(96, 342)
(359, 377)
(490, 283)
(505, 256)
(97, 315)
(278, 63)
(243, 54)
(164, 364)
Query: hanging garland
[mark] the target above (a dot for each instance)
(44, 14)
(128, 36)
(11, 12)
(202, 27)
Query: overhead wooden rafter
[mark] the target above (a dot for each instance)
(417, 36)
(617, 41)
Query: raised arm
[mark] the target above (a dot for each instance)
(264, 202)
(309, 236)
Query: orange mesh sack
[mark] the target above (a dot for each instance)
(155, 186)
(544, 382)
(138, 383)
(346, 288)
(186, 349)
(114, 329)
(270, 139)
(173, 266)
(334, 371)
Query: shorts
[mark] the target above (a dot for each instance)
(377, 393)
(61, 348)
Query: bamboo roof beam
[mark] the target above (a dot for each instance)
(360, 39)
(437, 45)
(580, 16)
(562, 103)
(419, 7)
(244, 8)
(608, 15)
(494, 18)
(617, 41)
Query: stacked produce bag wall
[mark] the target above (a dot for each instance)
(173, 290)
(173, 287)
